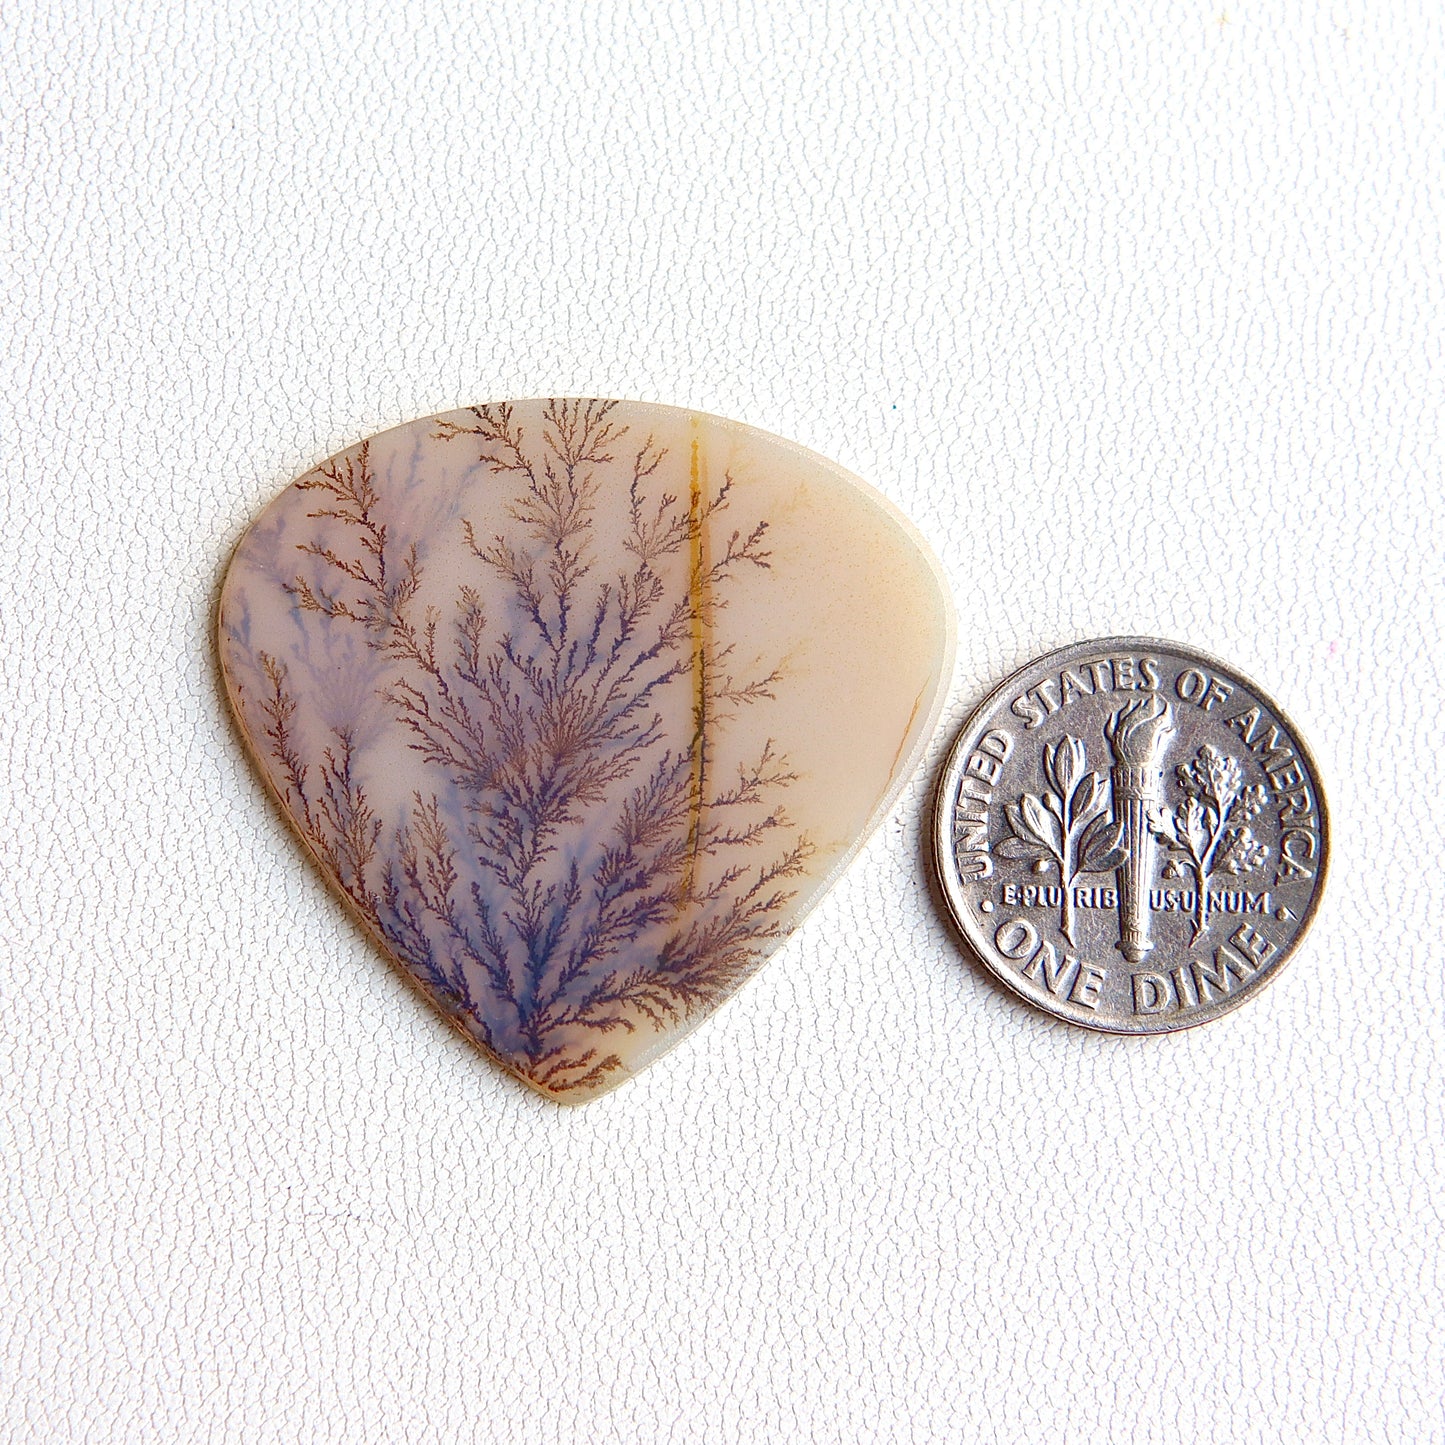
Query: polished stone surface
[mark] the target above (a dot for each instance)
(582, 705)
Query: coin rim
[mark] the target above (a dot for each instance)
(945, 866)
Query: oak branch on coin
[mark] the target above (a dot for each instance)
(1199, 832)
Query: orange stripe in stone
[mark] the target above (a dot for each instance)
(697, 592)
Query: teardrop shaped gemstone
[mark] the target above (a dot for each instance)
(582, 704)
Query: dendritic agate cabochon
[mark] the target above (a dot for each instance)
(582, 704)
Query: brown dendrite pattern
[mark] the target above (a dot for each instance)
(576, 864)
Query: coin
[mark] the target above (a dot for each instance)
(1131, 835)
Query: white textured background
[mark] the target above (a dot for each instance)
(1137, 312)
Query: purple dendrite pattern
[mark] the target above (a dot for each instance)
(580, 864)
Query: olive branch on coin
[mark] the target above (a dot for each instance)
(1068, 826)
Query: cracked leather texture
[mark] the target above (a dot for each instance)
(1135, 311)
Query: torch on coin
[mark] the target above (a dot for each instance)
(1139, 734)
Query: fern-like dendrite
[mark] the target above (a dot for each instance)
(579, 866)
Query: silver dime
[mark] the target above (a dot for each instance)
(1131, 835)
